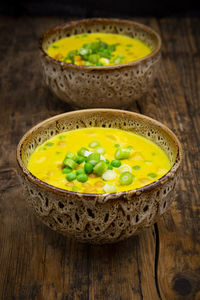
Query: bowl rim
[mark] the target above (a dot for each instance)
(111, 196)
(74, 23)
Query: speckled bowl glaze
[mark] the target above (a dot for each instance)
(108, 86)
(99, 218)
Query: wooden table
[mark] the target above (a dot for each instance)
(161, 263)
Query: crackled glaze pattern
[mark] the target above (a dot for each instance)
(99, 218)
(115, 86)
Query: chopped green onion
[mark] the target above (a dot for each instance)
(94, 144)
(71, 176)
(109, 175)
(99, 64)
(119, 59)
(84, 51)
(152, 175)
(70, 155)
(94, 53)
(130, 148)
(87, 153)
(68, 162)
(66, 170)
(80, 171)
(88, 64)
(126, 178)
(49, 144)
(102, 158)
(116, 163)
(93, 58)
(100, 150)
(136, 167)
(100, 168)
(124, 168)
(80, 159)
(93, 158)
(109, 188)
(122, 153)
(117, 145)
(88, 167)
(62, 137)
(110, 167)
(82, 151)
(82, 178)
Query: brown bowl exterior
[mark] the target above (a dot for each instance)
(109, 86)
(97, 218)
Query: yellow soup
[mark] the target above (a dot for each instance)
(98, 49)
(98, 160)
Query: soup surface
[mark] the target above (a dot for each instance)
(98, 160)
(98, 49)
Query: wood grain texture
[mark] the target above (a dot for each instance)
(162, 263)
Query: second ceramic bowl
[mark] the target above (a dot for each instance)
(114, 86)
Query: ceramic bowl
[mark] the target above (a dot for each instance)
(107, 86)
(99, 218)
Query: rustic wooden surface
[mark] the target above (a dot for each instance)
(161, 263)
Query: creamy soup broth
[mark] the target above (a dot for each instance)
(98, 49)
(98, 160)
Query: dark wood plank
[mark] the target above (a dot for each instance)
(40, 264)
(176, 101)
(161, 263)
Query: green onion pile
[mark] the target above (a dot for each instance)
(94, 162)
(94, 54)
